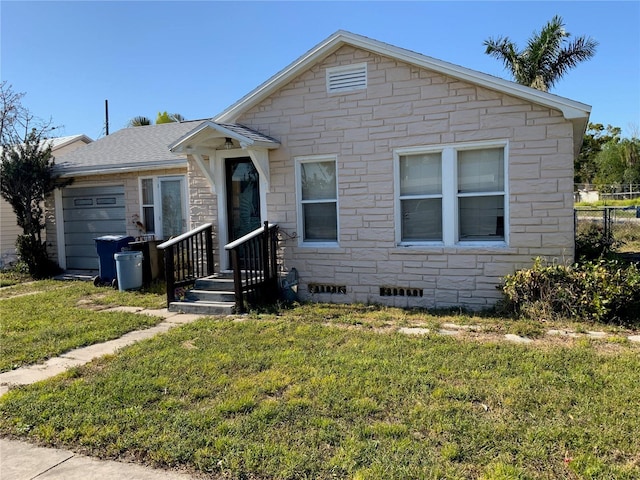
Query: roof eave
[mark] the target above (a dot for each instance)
(126, 168)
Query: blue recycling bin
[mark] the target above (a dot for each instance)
(107, 246)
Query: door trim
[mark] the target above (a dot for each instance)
(217, 166)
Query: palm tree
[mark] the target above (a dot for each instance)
(139, 122)
(546, 58)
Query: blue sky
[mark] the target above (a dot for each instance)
(197, 58)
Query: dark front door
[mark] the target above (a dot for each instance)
(243, 197)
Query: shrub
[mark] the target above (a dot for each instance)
(592, 242)
(603, 290)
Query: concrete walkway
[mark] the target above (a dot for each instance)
(80, 356)
(23, 461)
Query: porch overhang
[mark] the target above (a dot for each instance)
(210, 137)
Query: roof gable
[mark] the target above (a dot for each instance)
(576, 112)
(59, 142)
(217, 133)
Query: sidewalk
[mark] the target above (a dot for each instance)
(23, 461)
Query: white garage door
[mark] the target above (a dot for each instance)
(90, 212)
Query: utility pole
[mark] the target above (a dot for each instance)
(106, 116)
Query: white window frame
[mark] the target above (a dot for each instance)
(300, 203)
(450, 195)
(157, 206)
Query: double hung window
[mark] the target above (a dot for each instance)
(451, 195)
(317, 195)
(421, 196)
(481, 194)
(162, 203)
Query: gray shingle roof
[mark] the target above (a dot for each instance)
(248, 133)
(132, 148)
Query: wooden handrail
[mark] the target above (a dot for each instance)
(187, 258)
(190, 233)
(254, 263)
(247, 237)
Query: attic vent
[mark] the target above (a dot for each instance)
(400, 292)
(326, 288)
(346, 78)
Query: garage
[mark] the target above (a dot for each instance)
(90, 212)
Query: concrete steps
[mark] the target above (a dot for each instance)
(209, 296)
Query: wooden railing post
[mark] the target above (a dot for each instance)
(237, 280)
(265, 252)
(255, 277)
(169, 269)
(208, 233)
(185, 258)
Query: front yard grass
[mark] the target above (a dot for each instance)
(40, 320)
(335, 392)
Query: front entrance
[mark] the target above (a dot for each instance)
(243, 197)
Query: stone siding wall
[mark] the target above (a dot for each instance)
(203, 204)
(405, 106)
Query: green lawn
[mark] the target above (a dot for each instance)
(325, 392)
(39, 320)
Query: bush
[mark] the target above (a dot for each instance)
(592, 242)
(33, 253)
(604, 290)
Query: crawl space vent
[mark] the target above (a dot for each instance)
(326, 288)
(347, 78)
(400, 292)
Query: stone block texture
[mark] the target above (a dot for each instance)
(406, 106)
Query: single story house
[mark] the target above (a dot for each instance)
(394, 178)
(127, 183)
(9, 229)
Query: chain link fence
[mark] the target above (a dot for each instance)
(619, 227)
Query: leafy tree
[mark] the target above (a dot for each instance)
(547, 56)
(595, 138)
(164, 117)
(631, 155)
(27, 179)
(618, 163)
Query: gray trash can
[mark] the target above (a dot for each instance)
(128, 270)
(107, 246)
